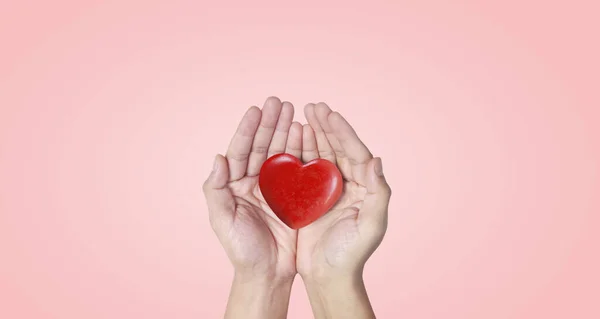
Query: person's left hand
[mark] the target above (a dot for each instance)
(340, 242)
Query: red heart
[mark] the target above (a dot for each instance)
(299, 194)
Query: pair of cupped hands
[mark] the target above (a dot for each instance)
(263, 250)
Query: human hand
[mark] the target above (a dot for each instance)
(333, 250)
(261, 248)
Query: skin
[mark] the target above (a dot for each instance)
(330, 253)
(261, 248)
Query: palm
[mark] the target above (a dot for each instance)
(343, 236)
(328, 240)
(259, 238)
(254, 239)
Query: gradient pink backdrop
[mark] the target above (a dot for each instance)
(487, 117)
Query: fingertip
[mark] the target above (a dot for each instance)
(309, 144)
(221, 159)
(271, 112)
(272, 100)
(335, 114)
(375, 176)
(296, 128)
(287, 111)
(335, 118)
(253, 110)
(307, 130)
(322, 109)
(294, 141)
(309, 110)
(287, 106)
(216, 163)
(309, 140)
(215, 180)
(250, 122)
(253, 113)
(322, 112)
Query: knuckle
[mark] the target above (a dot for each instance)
(273, 99)
(275, 152)
(321, 105)
(340, 154)
(326, 153)
(239, 157)
(293, 147)
(260, 149)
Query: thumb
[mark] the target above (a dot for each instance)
(375, 205)
(219, 199)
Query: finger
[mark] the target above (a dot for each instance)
(323, 147)
(219, 199)
(375, 206)
(322, 111)
(241, 144)
(270, 116)
(356, 152)
(309, 144)
(294, 140)
(282, 130)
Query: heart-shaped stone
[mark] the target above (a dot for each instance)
(299, 194)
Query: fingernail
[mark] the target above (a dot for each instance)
(378, 167)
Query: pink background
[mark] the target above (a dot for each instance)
(486, 116)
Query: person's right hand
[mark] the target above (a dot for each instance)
(259, 245)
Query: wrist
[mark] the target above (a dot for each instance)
(262, 279)
(335, 281)
(326, 275)
(339, 296)
(259, 296)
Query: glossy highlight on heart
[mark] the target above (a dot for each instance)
(299, 193)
